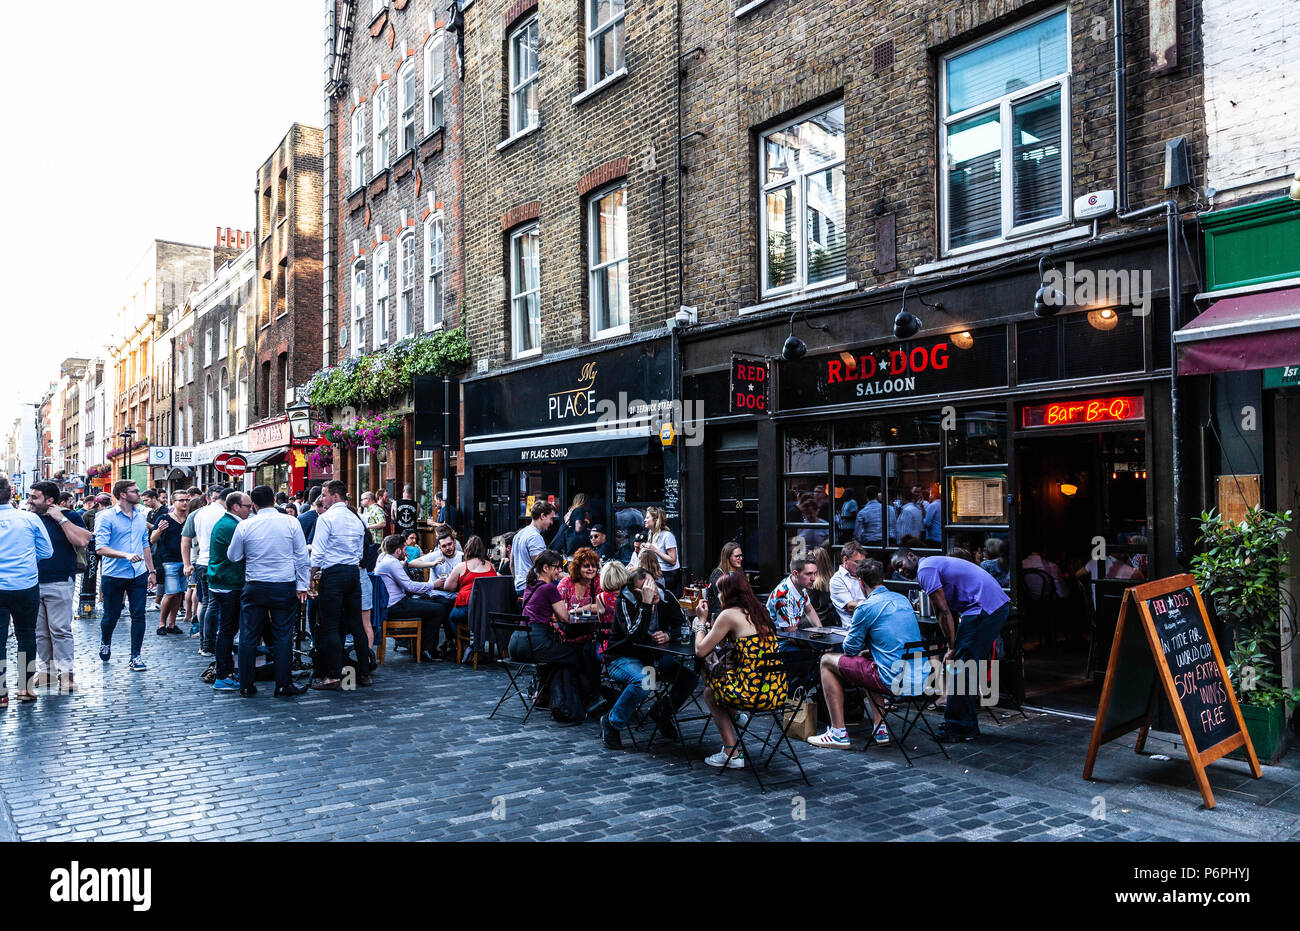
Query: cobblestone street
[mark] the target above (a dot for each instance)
(158, 755)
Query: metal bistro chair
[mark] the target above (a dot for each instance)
(504, 626)
(397, 628)
(773, 665)
(488, 595)
(909, 708)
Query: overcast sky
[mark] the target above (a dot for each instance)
(129, 122)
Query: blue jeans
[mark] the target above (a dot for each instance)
(630, 673)
(974, 641)
(136, 591)
(225, 614)
(278, 603)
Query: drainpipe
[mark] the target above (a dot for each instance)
(1170, 210)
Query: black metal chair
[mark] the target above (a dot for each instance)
(772, 669)
(504, 626)
(908, 711)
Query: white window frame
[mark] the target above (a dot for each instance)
(594, 269)
(223, 403)
(359, 177)
(434, 65)
(406, 250)
(241, 328)
(207, 347)
(1004, 105)
(382, 280)
(241, 405)
(223, 338)
(595, 34)
(358, 307)
(519, 87)
(519, 298)
(209, 411)
(798, 183)
(189, 425)
(383, 130)
(434, 312)
(406, 105)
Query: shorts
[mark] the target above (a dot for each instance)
(173, 578)
(862, 671)
(367, 590)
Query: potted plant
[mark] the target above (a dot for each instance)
(1241, 570)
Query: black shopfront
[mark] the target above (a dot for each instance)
(586, 424)
(1051, 435)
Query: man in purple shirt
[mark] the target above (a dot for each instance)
(971, 608)
(428, 612)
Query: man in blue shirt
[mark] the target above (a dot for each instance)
(884, 622)
(126, 561)
(934, 520)
(971, 608)
(23, 543)
(867, 527)
(54, 642)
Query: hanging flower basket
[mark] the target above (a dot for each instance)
(375, 431)
(375, 377)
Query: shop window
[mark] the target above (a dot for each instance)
(896, 430)
(1004, 142)
(1079, 345)
(980, 438)
(424, 489)
(363, 474)
(801, 171)
(805, 448)
(639, 480)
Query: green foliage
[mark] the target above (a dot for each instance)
(1241, 570)
(379, 376)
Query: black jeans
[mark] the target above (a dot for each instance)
(278, 603)
(136, 592)
(23, 605)
(974, 642)
(225, 614)
(338, 612)
(431, 612)
(539, 644)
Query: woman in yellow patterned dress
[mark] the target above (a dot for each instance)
(743, 619)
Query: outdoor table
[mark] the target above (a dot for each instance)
(819, 639)
(684, 652)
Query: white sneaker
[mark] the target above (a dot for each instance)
(721, 759)
(830, 740)
(882, 735)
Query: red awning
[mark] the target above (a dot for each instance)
(1238, 334)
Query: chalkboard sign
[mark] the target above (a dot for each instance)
(1166, 639)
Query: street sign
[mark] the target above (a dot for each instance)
(220, 462)
(236, 466)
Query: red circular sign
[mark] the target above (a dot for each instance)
(236, 466)
(220, 462)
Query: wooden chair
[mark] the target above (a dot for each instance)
(397, 628)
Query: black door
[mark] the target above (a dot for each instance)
(501, 502)
(735, 511)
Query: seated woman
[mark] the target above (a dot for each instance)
(413, 552)
(544, 610)
(745, 687)
(732, 559)
(475, 565)
(392, 569)
(638, 622)
(581, 588)
(613, 576)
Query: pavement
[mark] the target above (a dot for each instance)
(158, 755)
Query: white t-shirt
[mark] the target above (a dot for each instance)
(525, 546)
(204, 521)
(665, 540)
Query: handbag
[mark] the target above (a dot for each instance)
(721, 660)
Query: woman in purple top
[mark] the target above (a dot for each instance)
(971, 608)
(544, 608)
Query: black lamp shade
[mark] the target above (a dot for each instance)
(906, 325)
(794, 349)
(1048, 301)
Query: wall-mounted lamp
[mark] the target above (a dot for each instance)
(794, 347)
(1047, 300)
(1068, 490)
(962, 340)
(1104, 319)
(906, 323)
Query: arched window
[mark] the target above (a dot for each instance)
(358, 313)
(406, 282)
(433, 272)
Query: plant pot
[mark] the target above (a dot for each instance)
(1267, 730)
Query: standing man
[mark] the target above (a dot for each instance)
(277, 577)
(911, 519)
(226, 585)
(196, 501)
(24, 542)
(846, 589)
(386, 503)
(374, 516)
(528, 542)
(122, 542)
(933, 527)
(310, 512)
(54, 618)
(336, 552)
(867, 527)
(406, 511)
(152, 511)
(166, 539)
(446, 513)
(971, 608)
(195, 556)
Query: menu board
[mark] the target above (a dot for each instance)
(975, 498)
(1181, 655)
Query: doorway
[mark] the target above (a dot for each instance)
(1081, 540)
(592, 481)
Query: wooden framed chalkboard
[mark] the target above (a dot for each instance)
(1164, 639)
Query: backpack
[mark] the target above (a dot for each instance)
(566, 698)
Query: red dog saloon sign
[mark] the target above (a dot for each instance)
(751, 381)
(937, 365)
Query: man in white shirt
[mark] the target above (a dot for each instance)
(336, 550)
(528, 542)
(846, 588)
(277, 577)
